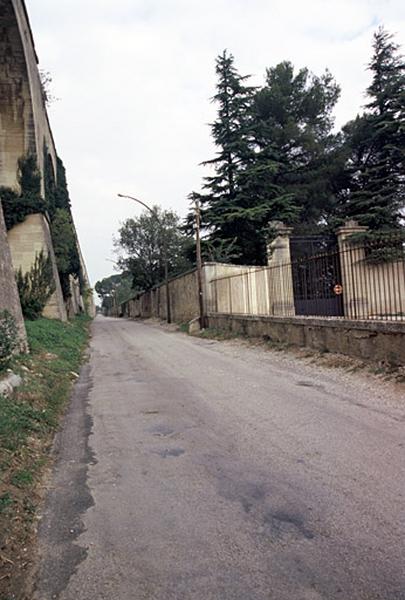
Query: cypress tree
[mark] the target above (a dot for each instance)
(230, 133)
(376, 143)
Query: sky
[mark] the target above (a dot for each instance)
(134, 78)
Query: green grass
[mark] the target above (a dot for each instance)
(183, 327)
(22, 478)
(28, 421)
(17, 421)
(56, 352)
(5, 502)
(65, 340)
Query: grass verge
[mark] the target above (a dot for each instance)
(28, 422)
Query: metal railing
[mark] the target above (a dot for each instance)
(358, 280)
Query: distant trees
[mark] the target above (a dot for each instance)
(114, 289)
(143, 243)
(278, 157)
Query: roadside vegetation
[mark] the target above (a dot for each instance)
(322, 358)
(28, 422)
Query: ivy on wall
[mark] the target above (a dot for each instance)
(17, 206)
(62, 227)
(55, 205)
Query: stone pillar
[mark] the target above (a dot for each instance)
(9, 299)
(355, 293)
(280, 280)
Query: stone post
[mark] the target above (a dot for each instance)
(280, 280)
(355, 296)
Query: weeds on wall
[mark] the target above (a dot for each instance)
(9, 339)
(17, 206)
(36, 286)
(55, 205)
(62, 226)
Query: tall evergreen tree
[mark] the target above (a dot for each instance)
(230, 133)
(274, 155)
(376, 143)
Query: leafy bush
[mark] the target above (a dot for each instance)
(65, 246)
(36, 286)
(8, 338)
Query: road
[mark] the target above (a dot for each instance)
(191, 469)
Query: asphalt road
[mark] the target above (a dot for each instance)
(189, 469)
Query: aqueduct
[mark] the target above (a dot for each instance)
(25, 130)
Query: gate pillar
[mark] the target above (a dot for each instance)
(355, 301)
(280, 280)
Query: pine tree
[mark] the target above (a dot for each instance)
(273, 162)
(293, 134)
(376, 143)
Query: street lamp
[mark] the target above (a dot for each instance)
(164, 244)
(199, 262)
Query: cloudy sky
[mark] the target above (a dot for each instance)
(134, 79)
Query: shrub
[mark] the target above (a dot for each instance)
(9, 339)
(36, 286)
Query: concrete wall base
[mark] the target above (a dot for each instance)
(370, 340)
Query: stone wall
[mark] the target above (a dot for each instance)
(9, 299)
(183, 294)
(24, 126)
(26, 240)
(226, 288)
(377, 342)
(25, 129)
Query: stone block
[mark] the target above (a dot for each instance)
(26, 240)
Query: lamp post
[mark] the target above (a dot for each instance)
(199, 262)
(164, 244)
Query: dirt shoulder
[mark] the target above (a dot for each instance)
(338, 367)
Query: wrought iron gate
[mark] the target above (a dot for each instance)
(316, 274)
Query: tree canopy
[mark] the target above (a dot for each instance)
(115, 288)
(143, 243)
(273, 159)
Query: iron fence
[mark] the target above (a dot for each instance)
(357, 280)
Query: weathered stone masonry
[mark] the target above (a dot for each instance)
(25, 129)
